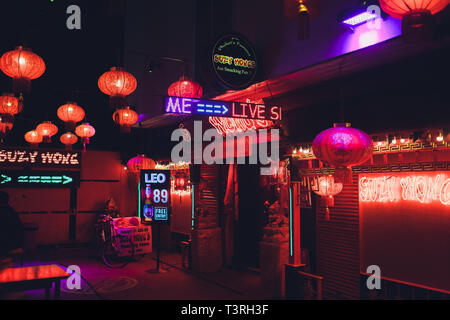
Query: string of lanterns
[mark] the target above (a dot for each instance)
(22, 65)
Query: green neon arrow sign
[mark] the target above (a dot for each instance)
(67, 179)
(5, 178)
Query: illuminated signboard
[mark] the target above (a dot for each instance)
(420, 188)
(404, 220)
(23, 157)
(234, 61)
(155, 196)
(39, 179)
(240, 110)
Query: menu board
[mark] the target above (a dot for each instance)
(155, 196)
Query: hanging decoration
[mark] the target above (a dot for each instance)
(70, 113)
(138, 163)
(117, 83)
(46, 129)
(68, 139)
(10, 104)
(23, 66)
(343, 147)
(125, 118)
(33, 138)
(325, 187)
(303, 11)
(185, 88)
(85, 131)
(6, 124)
(417, 16)
(181, 181)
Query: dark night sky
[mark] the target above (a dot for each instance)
(74, 61)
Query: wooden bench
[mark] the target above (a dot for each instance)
(30, 278)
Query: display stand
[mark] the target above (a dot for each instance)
(158, 252)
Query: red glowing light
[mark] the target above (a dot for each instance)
(400, 8)
(47, 129)
(125, 118)
(70, 113)
(418, 187)
(68, 139)
(343, 147)
(232, 125)
(185, 88)
(10, 104)
(140, 162)
(23, 66)
(33, 138)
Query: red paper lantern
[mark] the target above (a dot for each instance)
(343, 147)
(85, 131)
(136, 164)
(117, 83)
(325, 187)
(68, 139)
(417, 16)
(23, 66)
(47, 129)
(185, 88)
(125, 118)
(10, 104)
(33, 138)
(180, 181)
(70, 113)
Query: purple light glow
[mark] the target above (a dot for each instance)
(359, 18)
(363, 36)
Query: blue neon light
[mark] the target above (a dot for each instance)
(245, 110)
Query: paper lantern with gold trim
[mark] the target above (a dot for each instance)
(125, 118)
(23, 66)
(117, 83)
(185, 88)
(70, 113)
(47, 129)
(33, 138)
(417, 16)
(10, 104)
(68, 139)
(343, 147)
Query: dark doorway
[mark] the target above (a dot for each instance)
(251, 217)
(308, 235)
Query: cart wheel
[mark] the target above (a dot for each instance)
(110, 252)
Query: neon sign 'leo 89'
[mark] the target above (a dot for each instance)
(419, 187)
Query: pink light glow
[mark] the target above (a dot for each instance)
(420, 187)
(368, 38)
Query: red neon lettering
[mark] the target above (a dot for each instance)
(420, 188)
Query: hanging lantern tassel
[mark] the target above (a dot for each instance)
(329, 202)
(303, 22)
(343, 174)
(85, 142)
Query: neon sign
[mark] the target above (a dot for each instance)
(241, 110)
(39, 179)
(41, 158)
(231, 125)
(155, 196)
(234, 61)
(423, 187)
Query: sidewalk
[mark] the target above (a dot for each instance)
(134, 282)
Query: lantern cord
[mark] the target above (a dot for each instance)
(341, 95)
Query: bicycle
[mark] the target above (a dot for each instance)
(112, 248)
